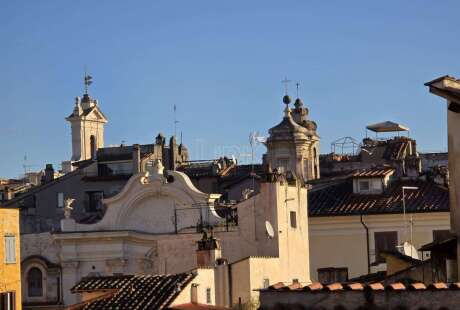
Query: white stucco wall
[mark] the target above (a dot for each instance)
(341, 241)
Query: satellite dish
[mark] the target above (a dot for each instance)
(269, 230)
(410, 250)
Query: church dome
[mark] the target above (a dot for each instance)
(287, 129)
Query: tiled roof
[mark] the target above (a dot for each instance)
(339, 199)
(193, 306)
(124, 152)
(338, 287)
(132, 291)
(374, 172)
(401, 256)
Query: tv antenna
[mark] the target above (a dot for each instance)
(176, 122)
(26, 166)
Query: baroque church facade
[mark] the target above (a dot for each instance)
(153, 218)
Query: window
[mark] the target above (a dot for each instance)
(315, 160)
(440, 235)
(208, 295)
(8, 301)
(34, 282)
(332, 274)
(116, 168)
(94, 201)
(266, 283)
(10, 249)
(384, 241)
(293, 219)
(60, 200)
(363, 185)
(92, 142)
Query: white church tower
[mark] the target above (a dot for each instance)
(293, 144)
(87, 124)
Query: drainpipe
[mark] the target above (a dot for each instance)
(367, 244)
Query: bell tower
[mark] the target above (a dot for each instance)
(87, 125)
(293, 144)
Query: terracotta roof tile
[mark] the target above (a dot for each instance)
(355, 286)
(438, 286)
(417, 286)
(133, 291)
(295, 286)
(339, 199)
(397, 286)
(277, 286)
(374, 172)
(334, 287)
(376, 286)
(455, 286)
(315, 286)
(192, 306)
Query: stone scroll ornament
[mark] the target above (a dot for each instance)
(68, 207)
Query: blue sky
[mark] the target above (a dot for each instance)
(220, 63)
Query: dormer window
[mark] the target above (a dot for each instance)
(364, 186)
(372, 181)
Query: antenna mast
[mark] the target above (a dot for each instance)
(175, 123)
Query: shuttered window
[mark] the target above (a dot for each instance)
(293, 218)
(60, 200)
(208, 296)
(8, 301)
(10, 249)
(384, 241)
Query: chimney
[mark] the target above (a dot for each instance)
(208, 251)
(49, 173)
(136, 159)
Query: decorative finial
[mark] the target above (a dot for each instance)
(298, 102)
(88, 80)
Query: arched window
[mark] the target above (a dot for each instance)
(92, 142)
(315, 165)
(34, 282)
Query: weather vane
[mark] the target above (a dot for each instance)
(88, 80)
(286, 83)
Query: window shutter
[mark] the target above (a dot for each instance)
(10, 249)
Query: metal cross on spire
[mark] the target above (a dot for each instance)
(88, 80)
(286, 84)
